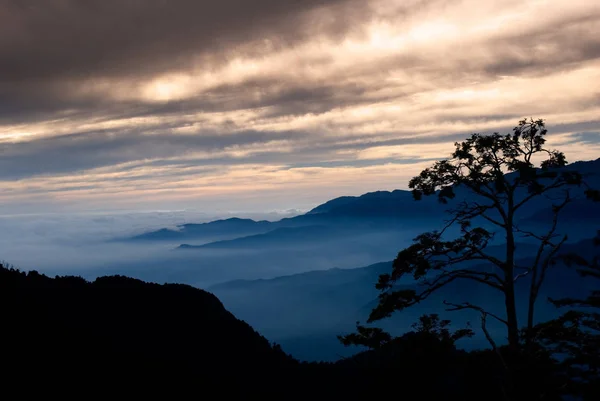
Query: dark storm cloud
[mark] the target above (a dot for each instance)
(151, 94)
(42, 40)
(48, 49)
(547, 48)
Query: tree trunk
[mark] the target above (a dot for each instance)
(511, 317)
(511, 307)
(509, 289)
(531, 307)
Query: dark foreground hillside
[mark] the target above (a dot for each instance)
(118, 332)
(122, 338)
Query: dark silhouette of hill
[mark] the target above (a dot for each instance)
(120, 332)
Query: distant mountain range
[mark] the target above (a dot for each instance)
(306, 308)
(282, 237)
(304, 312)
(371, 212)
(213, 229)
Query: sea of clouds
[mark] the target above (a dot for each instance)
(82, 243)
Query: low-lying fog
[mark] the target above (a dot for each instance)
(83, 244)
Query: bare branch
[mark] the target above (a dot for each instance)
(490, 339)
(557, 184)
(547, 263)
(521, 275)
(493, 221)
(489, 258)
(470, 210)
(481, 277)
(497, 351)
(536, 282)
(468, 305)
(492, 197)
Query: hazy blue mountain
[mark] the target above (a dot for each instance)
(213, 230)
(330, 205)
(285, 236)
(394, 204)
(301, 237)
(579, 220)
(345, 232)
(577, 211)
(304, 312)
(374, 210)
(269, 257)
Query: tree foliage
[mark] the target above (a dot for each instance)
(429, 325)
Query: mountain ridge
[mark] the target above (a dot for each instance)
(321, 304)
(372, 209)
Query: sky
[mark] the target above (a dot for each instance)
(274, 105)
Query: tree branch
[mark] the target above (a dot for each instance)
(467, 211)
(468, 305)
(544, 242)
(488, 337)
(493, 198)
(490, 258)
(547, 263)
(557, 184)
(521, 275)
(481, 277)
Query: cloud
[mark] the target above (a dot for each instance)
(183, 100)
(106, 36)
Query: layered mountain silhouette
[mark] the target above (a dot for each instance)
(375, 211)
(304, 310)
(345, 232)
(281, 237)
(213, 230)
(313, 307)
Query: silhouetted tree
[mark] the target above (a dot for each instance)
(428, 325)
(428, 350)
(479, 167)
(439, 328)
(495, 176)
